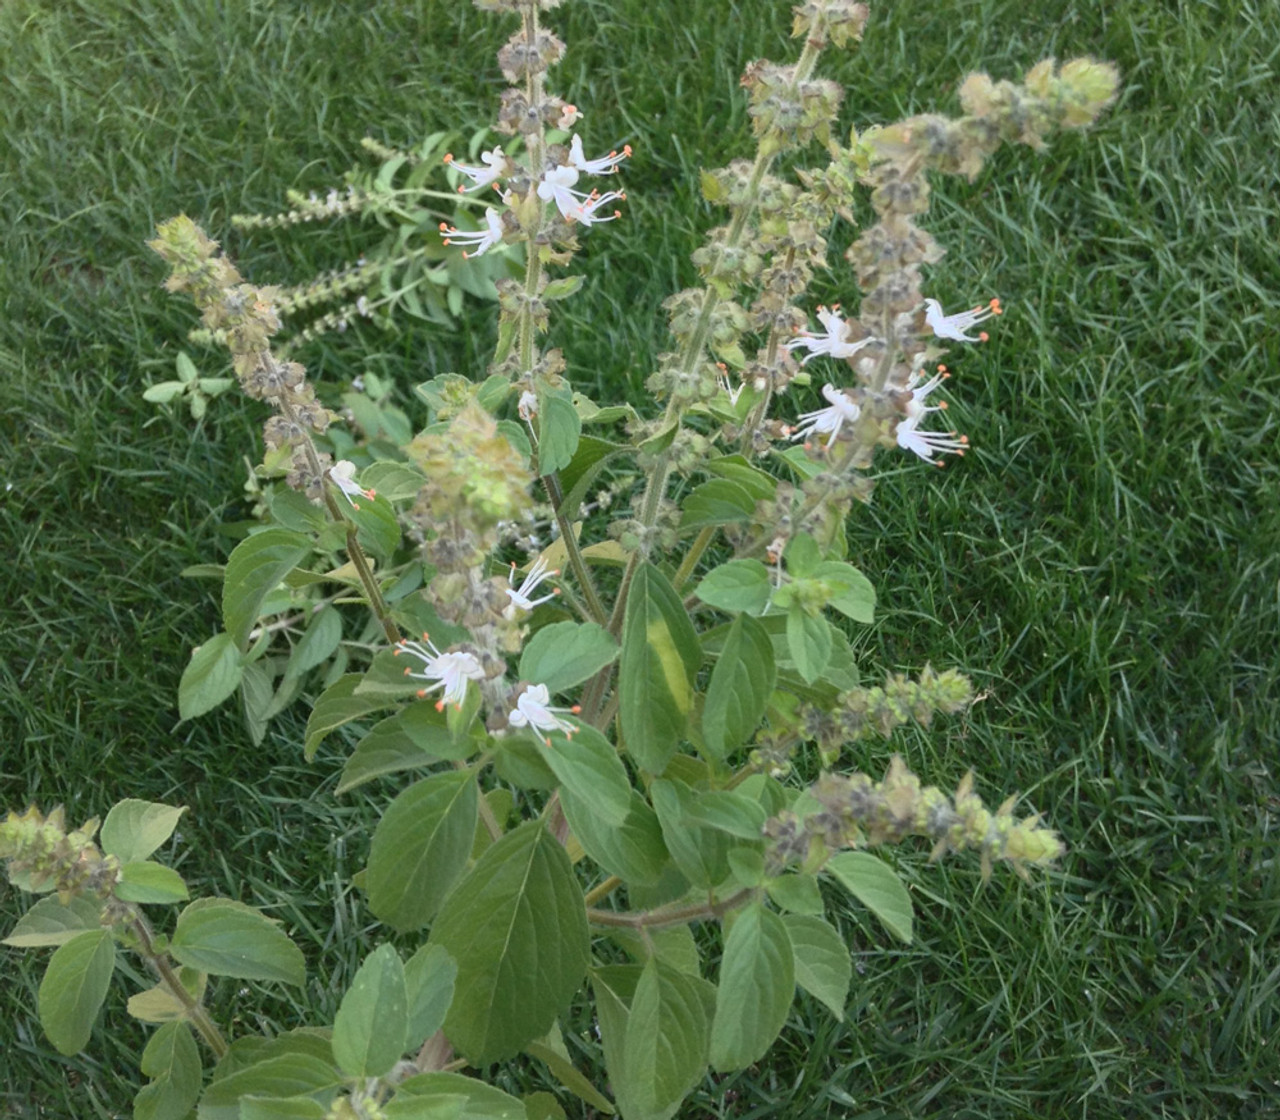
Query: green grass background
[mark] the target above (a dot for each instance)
(1106, 562)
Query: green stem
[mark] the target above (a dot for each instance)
(356, 554)
(205, 1026)
(668, 915)
(576, 560)
(691, 558)
(602, 890)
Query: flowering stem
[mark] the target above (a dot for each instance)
(199, 1017)
(664, 916)
(691, 558)
(356, 554)
(576, 561)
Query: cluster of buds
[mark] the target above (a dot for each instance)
(43, 855)
(307, 208)
(245, 318)
(865, 713)
(857, 811)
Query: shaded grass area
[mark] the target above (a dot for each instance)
(1103, 563)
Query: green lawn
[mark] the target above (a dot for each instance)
(1105, 563)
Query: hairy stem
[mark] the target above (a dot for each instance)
(664, 916)
(196, 1013)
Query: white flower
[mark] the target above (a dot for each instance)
(574, 206)
(494, 162)
(916, 409)
(569, 116)
(480, 240)
(835, 342)
(527, 405)
(823, 420)
(521, 597)
(722, 379)
(534, 710)
(606, 165)
(450, 671)
(557, 184)
(343, 475)
(954, 326)
(928, 444)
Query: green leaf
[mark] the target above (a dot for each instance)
(558, 430)
(172, 1062)
(588, 461)
(317, 645)
(372, 1024)
(386, 749)
(823, 967)
(656, 1048)
(377, 527)
(757, 483)
(876, 885)
(634, 850)
(757, 986)
(728, 812)
(159, 1005)
(256, 698)
(256, 566)
(147, 881)
(740, 686)
(339, 704)
(674, 945)
(564, 1071)
(849, 591)
(586, 764)
(565, 654)
(164, 392)
(517, 928)
(212, 675)
(701, 854)
(281, 1108)
(50, 922)
(227, 938)
(284, 1075)
(73, 988)
(739, 585)
(660, 658)
(393, 481)
(562, 288)
(429, 978)
(719, 501)
(474, 1099)
(797, 893)
(420, 848)
(802, 555)
(809, 640)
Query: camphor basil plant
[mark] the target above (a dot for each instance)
(594, 646)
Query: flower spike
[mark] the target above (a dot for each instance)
(954, 326)
(534, 710)
(480, 240)
(450, 671)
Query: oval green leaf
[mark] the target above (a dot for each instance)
(517, 928)
(757, 985)
(420, 847)
(371, 1028)
(212, 674)
(876, 885)
(73, 988)
(227, 938)
(256, 566)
